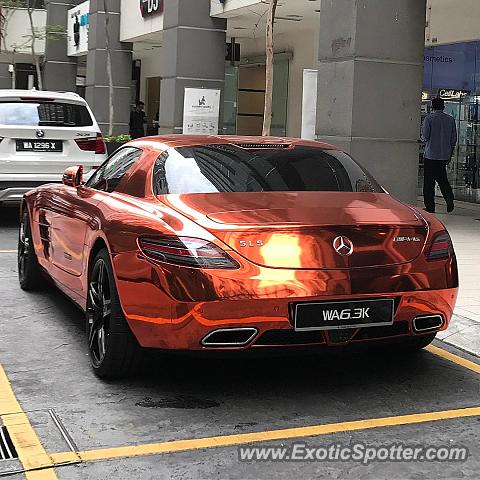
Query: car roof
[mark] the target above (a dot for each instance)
(164, 142)
(40, 94)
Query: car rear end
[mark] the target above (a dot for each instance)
(283, 248)
(41, 134)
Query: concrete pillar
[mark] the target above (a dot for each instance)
(97, 91)
(370, 83)
(60, 71)
(193, 55)
(5, 76)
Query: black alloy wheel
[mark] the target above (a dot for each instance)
(98, 312)
(29, 271)
(114, 351)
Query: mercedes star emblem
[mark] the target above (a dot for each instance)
(40, 133)
(343, 246)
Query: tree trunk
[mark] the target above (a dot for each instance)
(109, 71)
(267, 116)
(6, 15)
(36, 60)
(3, 27)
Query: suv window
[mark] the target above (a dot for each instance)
(110, 174)
(41, 114)
(229, 168)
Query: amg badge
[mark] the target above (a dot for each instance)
(407, 239)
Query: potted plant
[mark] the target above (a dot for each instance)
(113, 142)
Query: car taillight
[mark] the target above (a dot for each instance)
(187, 252)
(441, 247)
(94, 144)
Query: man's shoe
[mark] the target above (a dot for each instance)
(429, 211)
(450, 206)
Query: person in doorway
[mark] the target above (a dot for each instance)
(137, 121)
(439, 132)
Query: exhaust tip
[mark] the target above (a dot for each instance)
(230, 337)
(427, 323)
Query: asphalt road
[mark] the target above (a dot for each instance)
(43, 353)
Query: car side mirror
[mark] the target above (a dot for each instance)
(73, 176)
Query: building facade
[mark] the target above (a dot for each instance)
(162, 49)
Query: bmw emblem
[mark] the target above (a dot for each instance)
(40, 133)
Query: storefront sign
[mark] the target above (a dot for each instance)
(151, 7)
(438, 58)
(77, 29)
(201, 111)
(453, 94)
(450, 67)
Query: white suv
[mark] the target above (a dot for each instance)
(41, 134)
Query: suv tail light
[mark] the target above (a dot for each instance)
(187, 252)
(441, 247)
(93, 144)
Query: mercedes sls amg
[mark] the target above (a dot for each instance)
(230, 243)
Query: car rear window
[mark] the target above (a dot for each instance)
(229, 168)
(40, 114)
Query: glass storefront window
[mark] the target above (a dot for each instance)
(453, 72)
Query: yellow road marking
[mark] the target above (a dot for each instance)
(474, 367)
(30, 451)
(247, 438)
(8, 251)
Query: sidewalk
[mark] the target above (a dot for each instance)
(464, 228)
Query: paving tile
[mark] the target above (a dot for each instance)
(457, 324)
(473, 309)
(464, 331)
(467, 314)
(467, 339)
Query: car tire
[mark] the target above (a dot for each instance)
(30, 273)
(114, 351)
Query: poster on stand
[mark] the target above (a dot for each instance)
(201, 111)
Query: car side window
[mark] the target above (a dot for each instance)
(174, 173)
(111, 173)
(160, 185)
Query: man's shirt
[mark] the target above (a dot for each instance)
(439, 132)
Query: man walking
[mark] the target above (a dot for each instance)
(439, 132)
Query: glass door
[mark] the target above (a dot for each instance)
(464, 169)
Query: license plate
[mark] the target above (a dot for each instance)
(341, 315)
(39, 146)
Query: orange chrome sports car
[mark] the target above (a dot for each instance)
(202, 243)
